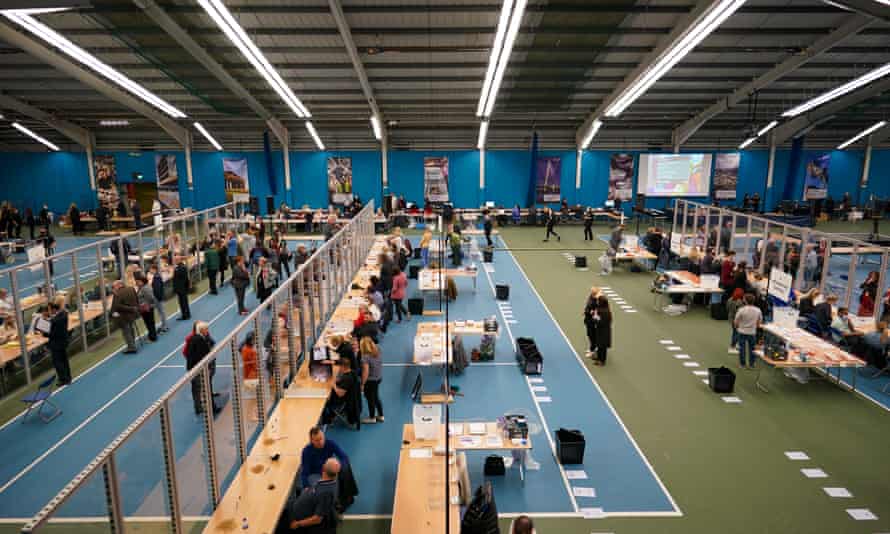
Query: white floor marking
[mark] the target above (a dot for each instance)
(842, 493)
(690, 364)
(862, 514)
(731, 400)
(814, 472)
(797, 455)
(700, 373)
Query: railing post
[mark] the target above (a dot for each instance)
(236, 402)
(170, 468)
(209, 443)
(79, 299)
(113, 496)
(260, 393)
(102, 294)
(20, 322)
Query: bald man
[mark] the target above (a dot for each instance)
(315, 509)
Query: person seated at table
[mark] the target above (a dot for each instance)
(374, 296)
(346, 395)
(315, 510)
(740, 279)
(314, 455)
(7, 307)
(823, 312)
(806, 304)
(694, 261)
(522, 525)
(876, 344)
(843, 331)
(369, 327)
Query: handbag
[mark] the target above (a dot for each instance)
(494, 466)
(144, 308)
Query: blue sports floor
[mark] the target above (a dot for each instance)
(42, 458)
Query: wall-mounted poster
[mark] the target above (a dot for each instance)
(106, 182)
(816, 182)
(547, 177)
(168, 180)
(621, 177)
(340, 180)
(236, 179)
(726, 175)
(435, 179)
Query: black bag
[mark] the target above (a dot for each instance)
(634, 268)
(570, 446)
(412, 271)
(502, 292)
(481, 516)
(718, 311)
(581, 262)
(529, 357)
(488, 255)
(415, 306)
(494, 466)
(721, 379)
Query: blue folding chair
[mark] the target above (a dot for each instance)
(40, 398)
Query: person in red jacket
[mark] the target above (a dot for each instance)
(399, 285)
(726, 269)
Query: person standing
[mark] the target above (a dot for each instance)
(387, 270)
(551, 222)
(284, 256)
(372, 375)
(266, 280)
(603, 329)
(157, 289)
(240, 281)
(487, 226)
(590, 317)
(31, 221)
(58, 341)
(588, 224)
(74, 218)
(733, 305)
(455, 241)
(747, 321)
(199, 346)
(399, 286)
(137, 213)
(181, 286)
(223, 252)
(147, 303)
(617, 237)
(425, 247)
(125, 311)
(49, 247)
(727, 271)
(211, 262)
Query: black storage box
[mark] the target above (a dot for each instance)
(721, 379)
(581, 262)
(494, 466)
(488, 255)
(569, 446)
(412, 271)
(502, 292)
(415, 306)
(718, 311)
(529, 357)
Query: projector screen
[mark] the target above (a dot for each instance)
(675, 175)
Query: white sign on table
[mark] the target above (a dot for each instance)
(780, 284)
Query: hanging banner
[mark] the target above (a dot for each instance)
(726, 175)
(168, 180)
(435, 179)
(621, 177)
(340, 181)
(816, 181)
(547, 177)
(106, 182)
(237, 184)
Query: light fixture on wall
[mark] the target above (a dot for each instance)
(314, 135)
(34, 136)
(200, 128)
(594, 128)
(509, 22)
(709, 21)
(80, 55)
(483, 134)
(868, 131)
(837, 92)
(114, 122)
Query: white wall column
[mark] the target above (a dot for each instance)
(188, 162)
(578, 155)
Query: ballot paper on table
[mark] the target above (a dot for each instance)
(493, 441)
(455, 429)
(470, 441)
(477, 428)
(425, 452)
(592, 513)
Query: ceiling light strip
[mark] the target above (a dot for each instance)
(34, 136)
(209, 137)
(503, 21)
(594, 128)
(837, 92)
(375, 125)
(314, 135)
(696, 33)
(67, 47)
(504, 56)
(747, 142)
(483, 134)
(223, 18)
(868, 131)
(767, 128)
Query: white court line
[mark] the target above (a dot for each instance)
(101, 409)
(677, 512)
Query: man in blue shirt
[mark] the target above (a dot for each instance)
(315, 510)
(315, 454)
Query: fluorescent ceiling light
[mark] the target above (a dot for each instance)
(375, 124)
(314, 135)
(34, 136)
(594, 128)
(483, 133)
(508, 28)
(852, 85)
(709, 21)
(868, 131)
(55, 39)
(767, 128)
(37, 10)
(223, 18)
(747, 142)
(209, 137)
(114, 122)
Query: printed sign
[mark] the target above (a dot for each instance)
(780, 284)
(435, 179)
(168, 180)
(726, 176)
(621, 177)
(547, 177)
(340, 180)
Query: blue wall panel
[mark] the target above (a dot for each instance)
(30, 179)
(507, 177)
(405, 171)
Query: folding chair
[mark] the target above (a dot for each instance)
(41, 398)
(340, 414)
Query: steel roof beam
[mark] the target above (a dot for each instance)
(852, 26)
(79, 135)
(871, 8)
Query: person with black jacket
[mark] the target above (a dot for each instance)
(240, 281)
(603, 322)
(823, 313)
(58, 341)
(588, 224)
(31, 221)
(181, 286)
(74, 218)
(200, 346)
(487, 225)
(157, 289)
(590, 320)
(43, 218)
(49, 247)
(115, 251)
(551, 222)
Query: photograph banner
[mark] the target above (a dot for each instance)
(816, 182)
(106, 182)
(235, 176)
(340, 180)
(547, 178)
(168, 181)
(621, 177)
(726, 175)
(435, 179)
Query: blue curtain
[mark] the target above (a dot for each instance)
(793, 165)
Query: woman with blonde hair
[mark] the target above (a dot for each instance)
(372, 375)
(425, 247)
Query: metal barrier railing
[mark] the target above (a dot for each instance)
(810, 256)
(165, 452)
(80, 275)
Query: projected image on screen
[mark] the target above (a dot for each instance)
(675, 175)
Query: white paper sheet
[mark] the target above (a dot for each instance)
(838, 492)
(631, 311)
(674, 348)
(681, 356)
(576, 474)
(425, 452)
(861, 514)
(814, 473)
(797, 455)
(705, 381)
(583, 492)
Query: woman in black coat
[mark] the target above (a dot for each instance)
(590, 321)
(603, 330)
(199, 345)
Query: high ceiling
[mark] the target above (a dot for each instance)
(426, 61)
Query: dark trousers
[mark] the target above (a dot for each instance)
(591, 336)
(375, 407)
(588, 233)
(400, 308)
(185, 313)
(31, 230)
(239, 296)
(197, 394)
(149, 319)
(285, 264)
(60, 362)
(601, 353)
(550, 232)
(488, 238)
(211, 276)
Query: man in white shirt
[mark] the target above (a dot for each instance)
(747, 321)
